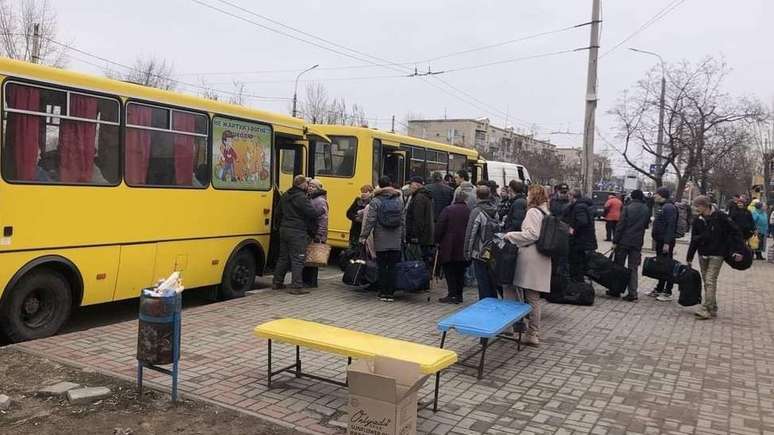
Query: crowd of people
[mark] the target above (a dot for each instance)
(452, 225)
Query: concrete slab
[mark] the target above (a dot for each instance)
(59, 389)
(87, 395)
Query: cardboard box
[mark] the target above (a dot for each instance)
(383, 397)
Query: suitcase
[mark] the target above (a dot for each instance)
(690, 287)
(602, 270)
(660, 267)
(412, 276)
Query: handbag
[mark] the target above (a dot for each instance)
(317, 254)
(754, 242)
(505, 256)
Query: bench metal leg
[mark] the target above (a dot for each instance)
(269, 377)
(518, 343)
(437, 385)
(443, 339)
(298, 361)
(484, 343)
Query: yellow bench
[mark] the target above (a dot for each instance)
(352, 344)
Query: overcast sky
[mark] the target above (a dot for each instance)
(546, 91)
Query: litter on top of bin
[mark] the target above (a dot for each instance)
(167, 287)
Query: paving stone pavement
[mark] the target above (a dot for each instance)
(614, 368)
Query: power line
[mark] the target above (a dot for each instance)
(515, 59)
(191, 85)
(666, 10)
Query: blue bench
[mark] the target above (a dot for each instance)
(487, 319)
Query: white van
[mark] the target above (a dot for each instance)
(502, 173)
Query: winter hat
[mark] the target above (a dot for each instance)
(664, 192)
(637, 194)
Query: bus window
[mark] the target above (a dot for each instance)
(59, 136)
(521, 174)
(241, 154)
(437, 161)
(335, 159)
(456, 162)
(165, 147)
(417, 166)
(377, 151)
(287, 161)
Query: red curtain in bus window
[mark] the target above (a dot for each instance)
(184, 148)
(77, 144)
(24, 131)
(137, 144)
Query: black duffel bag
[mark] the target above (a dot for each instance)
(690, 287)
(661, 268)
(745, 263)
(505, 255)
(602, 270)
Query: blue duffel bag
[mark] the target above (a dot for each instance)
(412, 276)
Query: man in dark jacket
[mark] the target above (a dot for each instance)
(664, 230)
(419, 218)
(450, 237)
(518, 208)
(629, 237)
(583, 237)
(559, 200)
(441, 193)
(713, 235)
(742, 217)
(297, 217)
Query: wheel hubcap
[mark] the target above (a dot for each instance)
(37, 309)
(241, 276)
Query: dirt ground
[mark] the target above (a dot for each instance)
(120, 414)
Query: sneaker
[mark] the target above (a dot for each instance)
(276, 286)
(531, 340)
(653, 293)
(703, 314)
(298, 291)
(630, 298)
(449, 300)
(665, 297)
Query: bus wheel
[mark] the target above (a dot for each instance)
(36, 307)
(239, 275)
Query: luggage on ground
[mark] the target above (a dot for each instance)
(349, 254)
(602, 270)
(412, 276)
(360, 271)
(660, 267)
(567, 291)
(770, 254)
(554, 239)
(505, 256)
(690, 287)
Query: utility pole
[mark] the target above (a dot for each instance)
(295, 89)
(393, 124)
(35, 58)
(661, 108)
(591, 101)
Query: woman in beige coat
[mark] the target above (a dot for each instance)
(533, 269)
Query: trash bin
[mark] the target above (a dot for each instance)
(158, 336)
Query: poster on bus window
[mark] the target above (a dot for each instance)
(241, 154)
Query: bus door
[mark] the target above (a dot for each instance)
(394, 166)
(289, 158)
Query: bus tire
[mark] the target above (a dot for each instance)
(239, 275)
(36, 307)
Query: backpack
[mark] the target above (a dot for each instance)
(390, 214)
(554, 240)
(488, 230)
(683, 220)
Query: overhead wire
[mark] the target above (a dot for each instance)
(666, 10)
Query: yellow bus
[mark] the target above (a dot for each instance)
(345, 158)
(108, 186)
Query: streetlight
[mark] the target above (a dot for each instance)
(295, 89)
(660, 144)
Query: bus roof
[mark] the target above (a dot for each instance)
(345, 130)
(26, 70)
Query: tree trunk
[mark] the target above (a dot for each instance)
(767, 160)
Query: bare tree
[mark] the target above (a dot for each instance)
(18, 19)
(763, 139)
(147, 71)
(208, 92)
(315, 106)
(238, 97)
